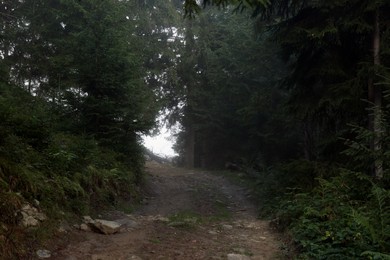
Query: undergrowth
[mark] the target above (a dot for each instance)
(331, 211)
(67, 173)
(346, 217)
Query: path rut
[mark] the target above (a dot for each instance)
(188, 215)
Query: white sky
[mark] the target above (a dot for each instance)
(162, 143)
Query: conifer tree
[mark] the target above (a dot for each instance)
(336, 49)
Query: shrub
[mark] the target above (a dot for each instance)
(346, 217)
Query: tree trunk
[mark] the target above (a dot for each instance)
(190, 148)
(375, 99)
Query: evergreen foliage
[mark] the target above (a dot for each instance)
(74, 102)
(331, 118)
(295, 98)
(231, 98)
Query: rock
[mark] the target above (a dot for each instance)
(212, 232)
(31, 216)
(40, 216)
(107, 227)
(88, 220)
(43, 253)
(227, 227)
(76, 226)
(126, 224)
(61, 229)
(85, 227)
(27, 208)
(237, 257)
(29, 221)
(161, 218)
(134, 257)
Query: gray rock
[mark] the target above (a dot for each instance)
(43, 253)
(127, 222)
(85, 227)
(31, 216)
(28, 209)
(227, 227)
(40, 216)
(88, 220)
(212, 232)
(29, 221)
(61, 229)
(134, 257)
(237, 257)
(107, 227)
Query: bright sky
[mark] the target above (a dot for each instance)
(161, 144)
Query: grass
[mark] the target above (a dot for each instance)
(126, 207)
(185, 219)
(155, 241)
(190, 219)
(222, 212)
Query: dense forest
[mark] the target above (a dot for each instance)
(295, 94)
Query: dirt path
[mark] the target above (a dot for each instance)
(188, 215)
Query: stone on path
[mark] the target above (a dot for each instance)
(134, 257)
(43, 253)
(110, 257)
(107, 227)
(237, 257)
(88, 220)
(127, 223)
(227, 227)
(85, 227)
(212, 232)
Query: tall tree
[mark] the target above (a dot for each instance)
(225, 116)
(335, 48)
(85, 58)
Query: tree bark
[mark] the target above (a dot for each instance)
(190, 148)
(375, 99)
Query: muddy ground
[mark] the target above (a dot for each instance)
(188, 214)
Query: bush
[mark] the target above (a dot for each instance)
(294, 177)
(346, 217)
(66, 172)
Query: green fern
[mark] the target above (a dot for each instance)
(375, 219)
(381, 197)
(376, 255)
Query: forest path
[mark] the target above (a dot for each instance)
(189, 215)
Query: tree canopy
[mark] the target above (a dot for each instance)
(293, 94)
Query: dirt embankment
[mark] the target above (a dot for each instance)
(188, 215)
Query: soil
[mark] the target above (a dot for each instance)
(187, 214)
